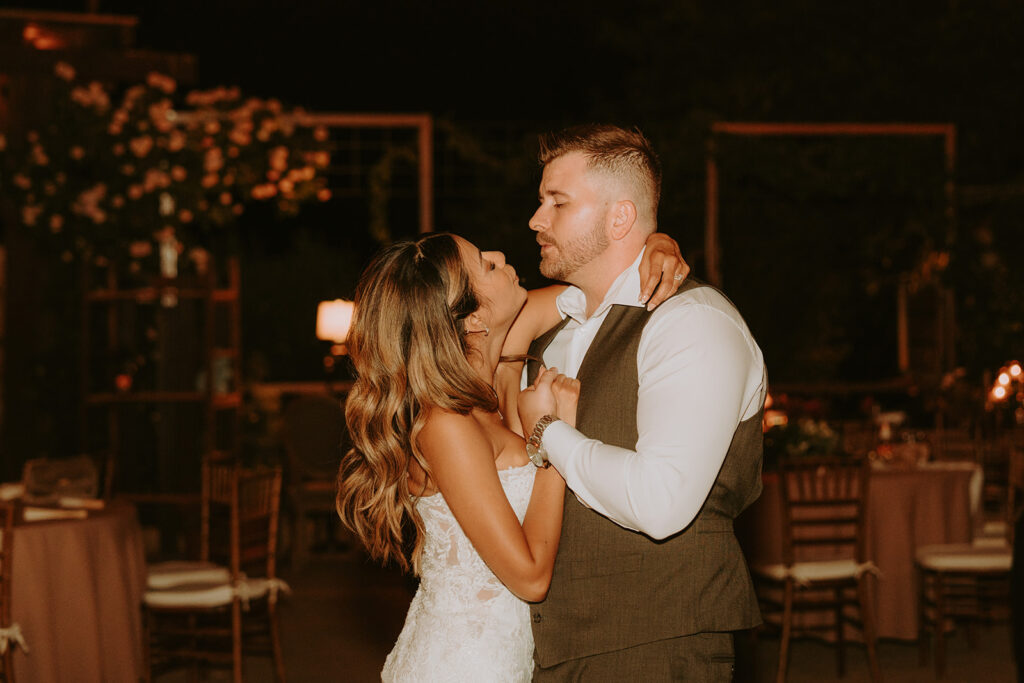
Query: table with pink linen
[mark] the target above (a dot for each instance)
(907, 508)
(77, 586)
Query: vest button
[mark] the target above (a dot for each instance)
(536, 618)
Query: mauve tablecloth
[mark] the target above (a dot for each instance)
(77, 587)
(907, 508)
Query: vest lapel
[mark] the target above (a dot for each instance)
(537, 348)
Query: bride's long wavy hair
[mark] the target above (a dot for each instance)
(409, 346)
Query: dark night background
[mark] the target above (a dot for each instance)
(815, 232)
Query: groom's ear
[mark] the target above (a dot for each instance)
(622, 218)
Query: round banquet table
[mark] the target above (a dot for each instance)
(77, 586)
(907, 508)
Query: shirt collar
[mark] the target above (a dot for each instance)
(625, 290)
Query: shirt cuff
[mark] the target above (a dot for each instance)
(559, 441)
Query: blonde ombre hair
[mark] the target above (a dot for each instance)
(408, 344)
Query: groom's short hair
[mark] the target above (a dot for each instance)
(626, 154)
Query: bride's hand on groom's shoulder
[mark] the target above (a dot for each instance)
(662, 270)
(551, 393)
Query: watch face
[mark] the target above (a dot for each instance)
(535, 455)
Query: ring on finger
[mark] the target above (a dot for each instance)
(678, 277)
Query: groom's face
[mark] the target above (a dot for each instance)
(571, 220)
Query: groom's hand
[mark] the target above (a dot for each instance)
(537, 400)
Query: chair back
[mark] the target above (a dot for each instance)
(314, 429)
(824, 502)
(240, 513)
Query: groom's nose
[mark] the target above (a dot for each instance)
(538, 222)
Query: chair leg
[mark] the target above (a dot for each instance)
(275, 643)
(8, 664)
(940, 627)
(923, 632)
(867, 618)
(971, 624)
(147, 664)
(787, 631)
(840, 658)
(236, 639)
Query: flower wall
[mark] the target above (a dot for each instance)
(116, 175)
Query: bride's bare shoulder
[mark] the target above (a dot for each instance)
(444, 429)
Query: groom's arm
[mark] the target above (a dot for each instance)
(700, 375)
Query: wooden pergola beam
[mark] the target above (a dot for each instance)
(947, 131)
(828, 129)
(424, 125)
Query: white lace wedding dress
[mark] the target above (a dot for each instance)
(463, 624)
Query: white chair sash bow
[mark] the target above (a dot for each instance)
(12, 636)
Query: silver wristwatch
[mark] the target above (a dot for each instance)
(534, 449)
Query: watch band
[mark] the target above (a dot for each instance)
(534, 448)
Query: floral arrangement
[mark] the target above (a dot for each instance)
(796, 438)
(151, 172)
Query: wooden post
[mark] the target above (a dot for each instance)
(902, 328)
(425, 139)
(711, 216)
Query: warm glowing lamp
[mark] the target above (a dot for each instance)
(1015, 369)
(333, 320)
(1004, 378)
(999, 393)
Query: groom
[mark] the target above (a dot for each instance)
(649, 580)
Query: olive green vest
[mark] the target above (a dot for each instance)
(613, 588)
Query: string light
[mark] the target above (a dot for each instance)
(1009, 387)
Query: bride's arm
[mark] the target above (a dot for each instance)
(461, 459)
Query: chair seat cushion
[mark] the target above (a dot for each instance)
(170, 574)
(994, 529)
(809, 572)
(964, 557)
(207, 595)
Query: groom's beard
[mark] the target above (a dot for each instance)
(569, 257)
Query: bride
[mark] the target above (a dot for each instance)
(438, 480)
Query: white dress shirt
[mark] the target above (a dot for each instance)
(701, 373)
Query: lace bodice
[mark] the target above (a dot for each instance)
(463, 624)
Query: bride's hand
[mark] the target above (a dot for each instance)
(567, 395)
(662, 261)
(551, 394)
